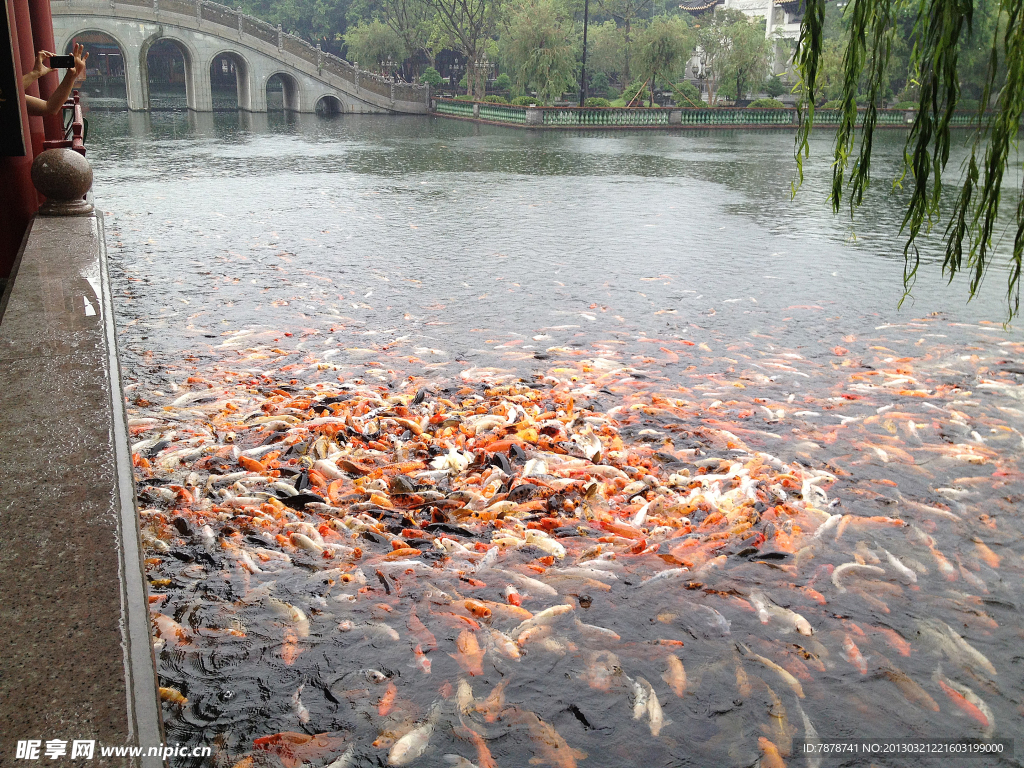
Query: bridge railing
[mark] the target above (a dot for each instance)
(239, 22)
(645, 117)
(340, 68)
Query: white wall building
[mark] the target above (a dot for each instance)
(782, 20)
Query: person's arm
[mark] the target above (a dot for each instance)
(37, 71)
(51, 106)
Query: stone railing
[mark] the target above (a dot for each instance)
(241, 23)
(643, 117)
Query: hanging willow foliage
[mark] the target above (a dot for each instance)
(941, 28)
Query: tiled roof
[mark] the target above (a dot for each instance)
(694, 6)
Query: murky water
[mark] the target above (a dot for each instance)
(664, 287)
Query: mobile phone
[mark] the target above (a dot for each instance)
(62, 62)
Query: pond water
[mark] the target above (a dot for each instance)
(405, 320)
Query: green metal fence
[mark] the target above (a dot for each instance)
(499, 113)
(710, 117)
(604, 116)
(454, 108)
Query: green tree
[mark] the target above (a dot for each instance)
(713, 41)
(943, 31)
(686, 95)
(662, 47)
(830, 75)
(773, 87)
(414, 22)
(736, 50)
(317, 21)
(600, 84)
(537, 48)
(469, 26)
(431, 77)
(372, 42)
(606, 45)
(748, 57)
(626, 13)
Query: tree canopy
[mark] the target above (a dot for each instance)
(663, 46)
(373, 42)
(539, 49)
(735, 50)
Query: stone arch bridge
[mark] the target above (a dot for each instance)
(204, 31)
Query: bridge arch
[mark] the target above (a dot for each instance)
(292, 93)
(329, 104)
(194, 87)
(201, 31)
(243, 75)
(66, 43)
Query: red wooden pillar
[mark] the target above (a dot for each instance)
(18, 198)
(26, 45)
(42, 40)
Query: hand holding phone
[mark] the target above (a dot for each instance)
(62, 62)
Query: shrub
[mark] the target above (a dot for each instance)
(502, 82)
(727, 89)
(600, 84)
(766, 104)
(524, 101)
(463, 83)
(774, 87)
(495, 100)
(913, 105)
(686, 95)
(596, 101)
(965, 105)
(431, 77)
(465, 97)
(633, 89)
(834, 104)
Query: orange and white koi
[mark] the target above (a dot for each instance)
(968, 702)
(853, 655)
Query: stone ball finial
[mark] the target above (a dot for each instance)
(64, 177)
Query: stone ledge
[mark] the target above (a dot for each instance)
(78, 660)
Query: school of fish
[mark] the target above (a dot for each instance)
(597, 563)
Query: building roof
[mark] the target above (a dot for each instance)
(695, 6)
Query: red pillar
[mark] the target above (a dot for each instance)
(26, 44)
(18, 199)
(42, 40)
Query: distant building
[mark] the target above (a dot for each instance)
(782, 20)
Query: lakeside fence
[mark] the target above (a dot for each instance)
(646, 117)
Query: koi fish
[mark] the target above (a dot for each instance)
(413, 744)
(853, 568)
(911, 691)
(770, 757)
(968, 702)
(853, 655)
(470, 655)
(173, 696)
(790, 680)
(675, 675)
